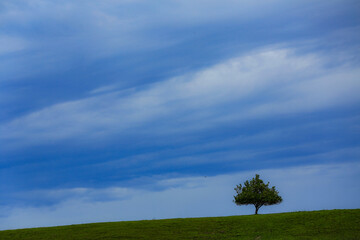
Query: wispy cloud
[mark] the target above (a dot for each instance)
(11, 44)
(265, 83)
(302, 188)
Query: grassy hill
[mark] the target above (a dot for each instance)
(328, 224)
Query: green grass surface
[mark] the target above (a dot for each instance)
(329, 224)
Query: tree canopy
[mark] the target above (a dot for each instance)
(257, 193)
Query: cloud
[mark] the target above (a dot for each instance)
(265, 83)
(72, 47)
(45, 198)
(99, 29)
(64, 33)
(11, 44)
(312, 187)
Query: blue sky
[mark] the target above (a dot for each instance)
(113, 105)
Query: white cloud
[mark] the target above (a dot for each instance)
(11, 44)
(302, 188)
(261, 84)
(79, 193)
(174, 11)
(100, 29)
(71, 31)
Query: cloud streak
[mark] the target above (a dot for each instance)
(287, 83)
(318, 187)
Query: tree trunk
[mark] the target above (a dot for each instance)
(256, 210)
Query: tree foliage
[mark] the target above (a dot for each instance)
(256, 192)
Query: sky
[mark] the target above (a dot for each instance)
(131, 109)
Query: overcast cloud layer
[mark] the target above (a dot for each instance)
(106, 104)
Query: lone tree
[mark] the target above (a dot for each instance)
(256, 192)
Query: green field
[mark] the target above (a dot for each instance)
(327, 224)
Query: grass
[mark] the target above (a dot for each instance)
(327, 224)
